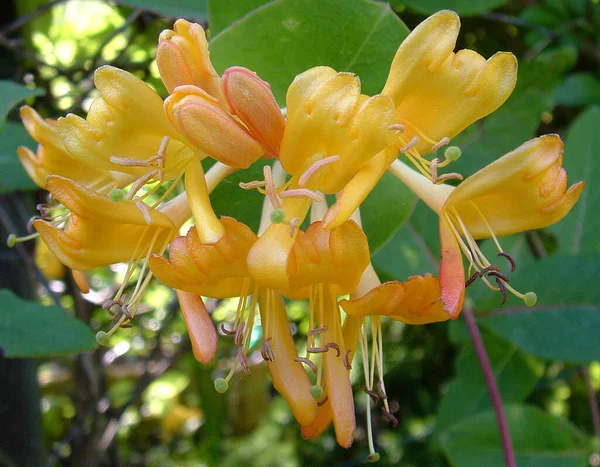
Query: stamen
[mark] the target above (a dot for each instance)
(307, 362)
(513, 265)
(131, 162)
(381, 390)
(244, 362)
(321, 403)
(397, 127)
(333, 345)
(441, 143)
(390, 417)
(472, 279)
(317, 349)
(301, 193)
(346, 360)
(294, 225)
(312, 332)
(267, 353)
(226, 331)
(252, 185)
(498, 275)
(449, 176)
(373, 395)
(239, 334)
(502, 288)
(145, 210)
(139, 183)
(303, 180)
(270, 186)
(413, 142)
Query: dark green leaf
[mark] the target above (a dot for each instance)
(284, 38)
(539, 439)
(12, 175)
(579, 89)
(564, 324)
(11, 94)
(578, 232)
(188, 9)
(462, 7)
(516, 374)
(28, 329)
(221, 14)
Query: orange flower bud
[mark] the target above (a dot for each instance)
(251, 100)
(183, 58)
(198, 117)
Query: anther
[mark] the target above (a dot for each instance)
(317, 349)
(30, 224)
(513, 265)
(472, 279)
(322, 403)
(373, 395)
(270, 187)
(145, 210)
(301, 193)
(411, 143)
(390, 417)
(314, 331)
(333, 345)
(498, 275)
(441, 143)
(448, 176)
(502, 288)
(346, 360)
(305, 177)
(244, 362)
(226, 331)
(126, 325)
(491, 267)
(252, 185)
(308, 363)
(294, 225)
(239, 335)
(130, 162)
(267, 353)
(381, 391)
(396, 127)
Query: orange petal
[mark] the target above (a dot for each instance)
(452, 273)
(201, 329)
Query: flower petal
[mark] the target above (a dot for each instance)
(452, 273)
(201, 329)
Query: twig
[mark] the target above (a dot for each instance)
(490, 380)
(22, 20)
(593, 401)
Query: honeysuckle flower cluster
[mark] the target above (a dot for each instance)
(112, 177)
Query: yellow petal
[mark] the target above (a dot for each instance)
(416, 301)
(251, 100)
(289, 377)
(198, 117)
(523, 190)
(452, 272)
(183, 58)
(439, 93)
(126, 121)
(201, 329)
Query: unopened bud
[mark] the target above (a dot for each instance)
(198, 117)
(183, 59)
(251, 99)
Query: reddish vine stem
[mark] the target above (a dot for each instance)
(593, 401)
(490, 380)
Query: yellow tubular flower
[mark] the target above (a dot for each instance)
(52, 157)
(525, 189)
(126, 129)
(99, 232)
(438, 93)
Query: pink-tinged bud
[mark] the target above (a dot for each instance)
(183, 58)
(198, 117)
(251, 100)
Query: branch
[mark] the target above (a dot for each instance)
(490, 381)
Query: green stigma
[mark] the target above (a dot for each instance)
(11, 240)
(530, 298)
(221, 385)
(317, 392)
(278, 216)
(102, 338)
(116, 195)
(452, 153)
(374, 457)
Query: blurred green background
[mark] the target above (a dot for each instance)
(146, 402)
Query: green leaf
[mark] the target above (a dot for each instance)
(384, 211)
(578, 232)
(12, 175)
(462, 7)
(518, 119)
(11, 94)
(284, 38)
(221, 14)
(28, 329)
(188, 9)
(515, 371)
(564, 324)
(579, 89)
(538, 439)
